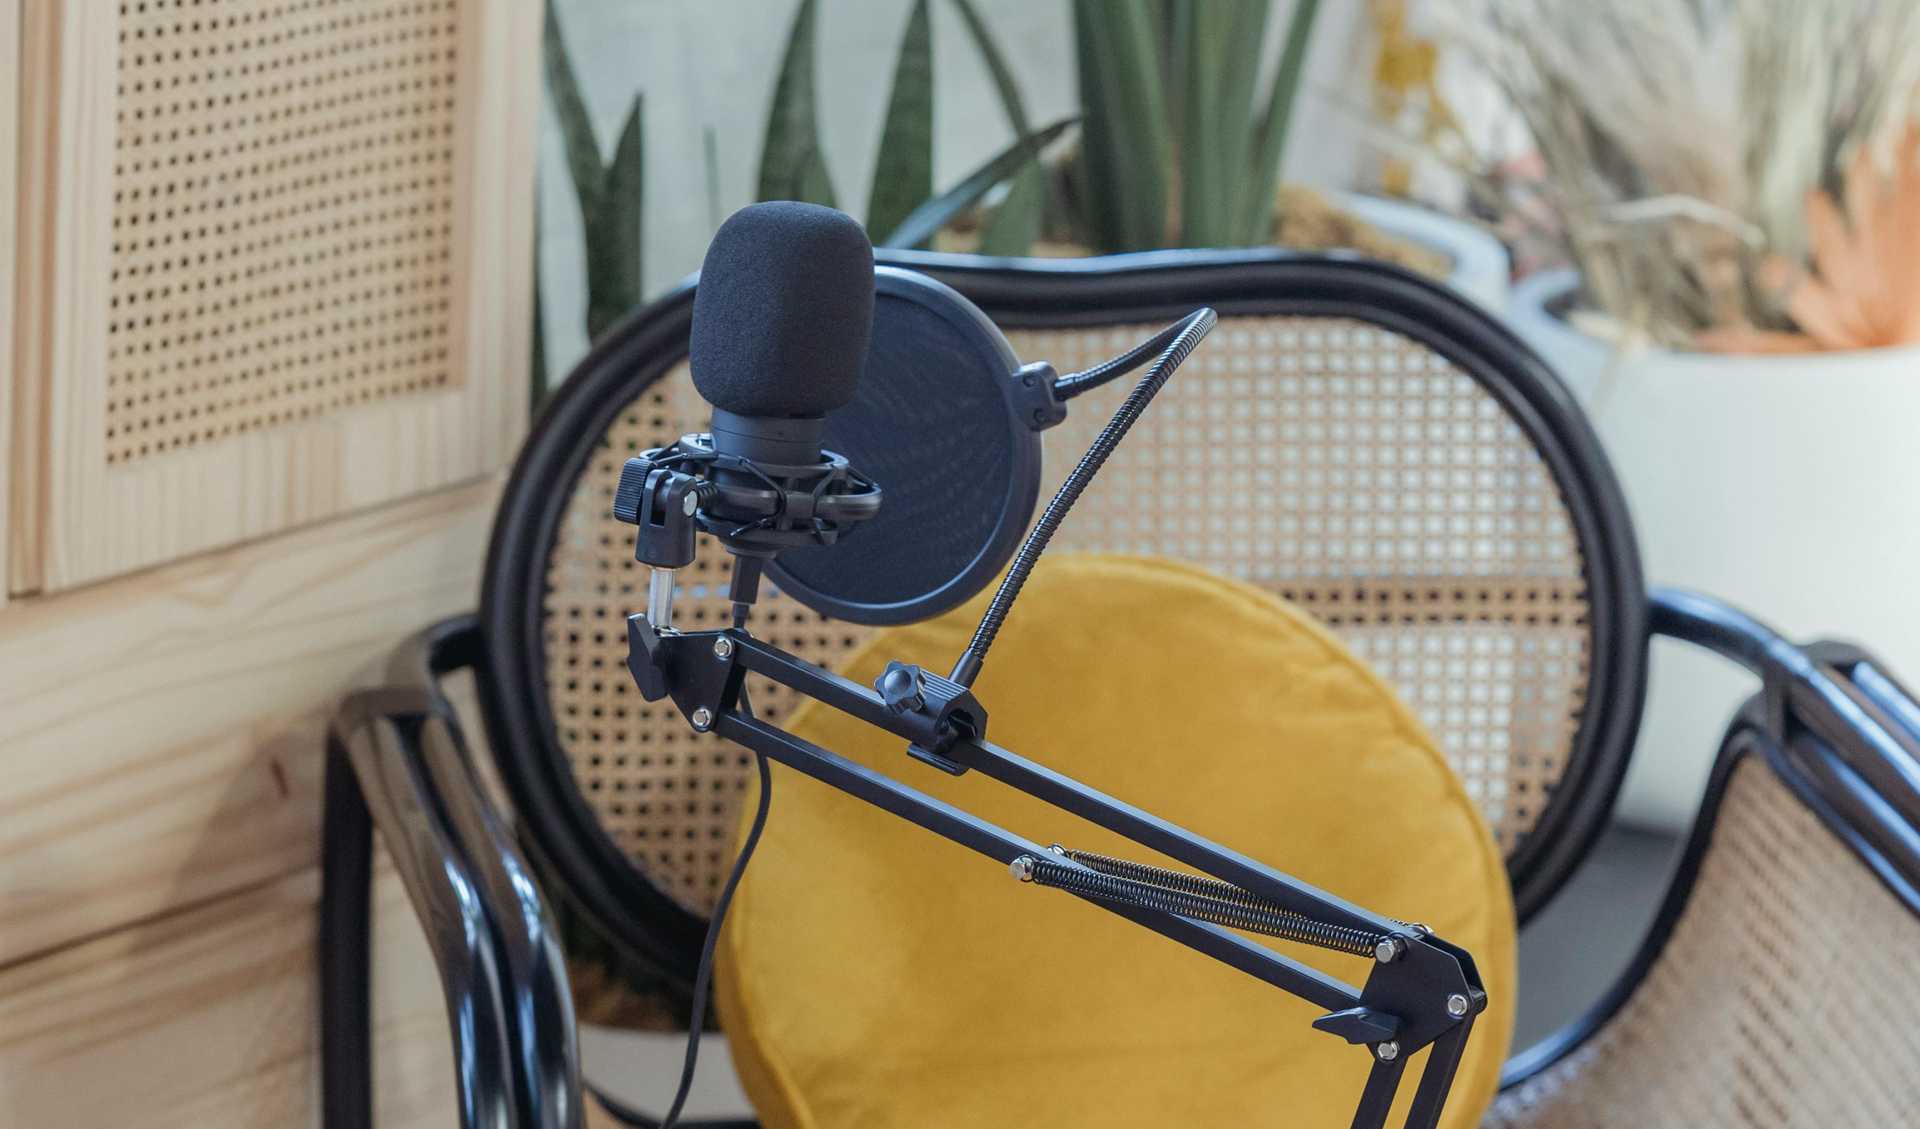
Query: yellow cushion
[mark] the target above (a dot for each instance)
(874, 976)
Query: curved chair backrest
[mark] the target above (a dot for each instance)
(1354, 438)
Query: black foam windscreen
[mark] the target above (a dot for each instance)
(934, 424)
(783, 311)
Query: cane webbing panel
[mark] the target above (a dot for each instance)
(1363, 477)
(1342, 466)
(283, 213)
(1783, 999)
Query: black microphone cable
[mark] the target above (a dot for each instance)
(1174, 344)
(703, 977)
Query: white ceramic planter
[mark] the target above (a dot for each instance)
(1480, 263)
(1789, 486)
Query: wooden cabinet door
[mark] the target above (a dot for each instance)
(275, 264)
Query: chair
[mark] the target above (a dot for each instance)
(1356, 439)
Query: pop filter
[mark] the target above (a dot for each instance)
(943, 421)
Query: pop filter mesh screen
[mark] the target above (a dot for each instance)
(931, 425)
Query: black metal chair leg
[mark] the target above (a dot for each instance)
(346, 1003)
(398, 761)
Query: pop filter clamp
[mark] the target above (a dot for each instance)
(1420, 992)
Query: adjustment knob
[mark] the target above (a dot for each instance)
(630, 495)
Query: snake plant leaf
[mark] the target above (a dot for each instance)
(1016, 223)
(1256, 205)
(815, 185)
(903, 172)
(791, 165)
(930, 217)
(614, 248)
(570, 111)
(1125, 146)
(1221, 43)
(710, 151)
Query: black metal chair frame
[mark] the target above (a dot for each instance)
(1829, 719)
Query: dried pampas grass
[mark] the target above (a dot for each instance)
(1680, 140)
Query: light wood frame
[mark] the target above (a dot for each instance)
(78, 518)
(10, 139)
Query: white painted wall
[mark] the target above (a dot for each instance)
(703, 63)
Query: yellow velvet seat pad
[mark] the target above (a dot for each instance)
(874, 976)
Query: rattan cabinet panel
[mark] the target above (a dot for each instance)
(274, 265)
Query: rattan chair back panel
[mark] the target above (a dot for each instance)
(1360, 475)
(1339, 464)
(1782, 997)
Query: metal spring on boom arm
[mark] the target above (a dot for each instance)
(1189, 895)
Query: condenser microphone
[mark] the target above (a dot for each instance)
(781, 324)
(782, 318)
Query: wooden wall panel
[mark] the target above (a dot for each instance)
(160, 734)
(9, 251)
(284, 271)
(206, 1020)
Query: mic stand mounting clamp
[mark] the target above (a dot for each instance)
(947, 711)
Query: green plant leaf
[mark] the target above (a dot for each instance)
(1125, 152)
(1221, 41)
(614, 247)
(1017, 223)
(903, 172)
(570, 111)
(815, 185)
(1256, 204)
(710, 151)
(791, 166)
(936, 213)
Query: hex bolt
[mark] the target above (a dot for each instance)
(1022, 868)
(723, 648)
(702, 719)
(1388, 949)
(1457, 1005)
(1387, 1051)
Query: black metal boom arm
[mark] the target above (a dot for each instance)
(1420, 992)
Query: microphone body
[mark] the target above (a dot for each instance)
(781, 323)
(782, 318)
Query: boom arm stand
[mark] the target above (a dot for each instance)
(1420, 992)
